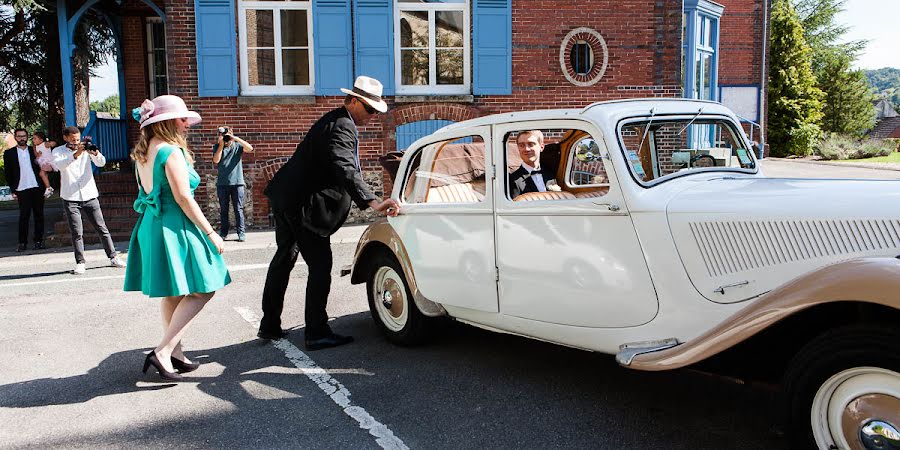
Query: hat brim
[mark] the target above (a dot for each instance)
(380, 106)
(192, 117)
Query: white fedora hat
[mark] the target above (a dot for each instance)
(369, 90)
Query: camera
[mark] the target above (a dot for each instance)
(224, 132)
(89, 144)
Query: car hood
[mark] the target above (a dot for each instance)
(741, 237)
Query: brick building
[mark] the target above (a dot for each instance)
(269, 69)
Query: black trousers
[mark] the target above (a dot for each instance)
(90, 209)
(293, 239)
(31, 201)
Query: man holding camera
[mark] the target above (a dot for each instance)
(79, 193)
(228, 151)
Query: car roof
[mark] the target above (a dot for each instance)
(601, 112)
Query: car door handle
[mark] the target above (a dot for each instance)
(611, 206)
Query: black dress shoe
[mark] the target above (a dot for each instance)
(39, 246)
(272, 335)
(183, 367)
(332, 340)
(20, 248)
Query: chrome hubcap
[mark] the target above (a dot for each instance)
(386, 299)
(879, 435)
(389, 298)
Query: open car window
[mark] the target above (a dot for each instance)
(570, 166)
(660, 147)
(447, 172)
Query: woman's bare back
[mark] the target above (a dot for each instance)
(145, 170)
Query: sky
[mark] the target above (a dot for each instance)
(873, 20)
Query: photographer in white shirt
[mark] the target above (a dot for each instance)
(79, 193)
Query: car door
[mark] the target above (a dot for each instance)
(573, 259)
(447, 224)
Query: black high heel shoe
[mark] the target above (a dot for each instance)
(183, 367)
(163, 373)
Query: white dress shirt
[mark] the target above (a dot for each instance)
(76, 176)
(26, 174)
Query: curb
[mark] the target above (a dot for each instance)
(874, 166)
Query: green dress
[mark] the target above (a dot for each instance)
(168, 254)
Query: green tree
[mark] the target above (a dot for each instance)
(795, 106)
(108, 105)
(848, 99)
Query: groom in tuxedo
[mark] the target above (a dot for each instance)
(528, 177)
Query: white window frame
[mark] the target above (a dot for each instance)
(151, 61)
(276, 7)
(432, 87)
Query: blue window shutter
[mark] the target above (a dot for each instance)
(216, 54)
(373, 27)
(332, 41)
(492, 38)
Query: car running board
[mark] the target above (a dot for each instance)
(628, 351)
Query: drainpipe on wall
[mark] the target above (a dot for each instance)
(763, 123)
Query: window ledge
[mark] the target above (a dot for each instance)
(276, 100)
(434, 99)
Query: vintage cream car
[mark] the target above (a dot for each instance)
(660, 241)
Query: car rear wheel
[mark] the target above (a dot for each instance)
(843, 390)
(392, 305)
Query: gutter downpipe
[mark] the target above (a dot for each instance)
(763, 123)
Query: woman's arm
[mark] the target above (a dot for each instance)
(177, 174)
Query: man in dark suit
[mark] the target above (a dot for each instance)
(529, 177)
(310, 198)
(22, 173)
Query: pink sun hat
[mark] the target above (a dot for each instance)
(164, 107)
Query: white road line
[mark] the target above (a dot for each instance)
(79, 279)
(384, 437)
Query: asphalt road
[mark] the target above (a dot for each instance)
(71, 350)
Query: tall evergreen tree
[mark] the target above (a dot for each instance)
(848, 99)
(795, 106)
(847, 104)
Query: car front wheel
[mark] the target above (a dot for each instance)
(392, 305)
(843, 390)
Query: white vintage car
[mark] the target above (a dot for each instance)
(653, 236)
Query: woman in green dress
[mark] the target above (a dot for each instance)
(174, 252)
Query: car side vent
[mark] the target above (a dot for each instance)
(730, 247)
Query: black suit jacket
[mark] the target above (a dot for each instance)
(11, 167)
(520, 182)
(322, 176)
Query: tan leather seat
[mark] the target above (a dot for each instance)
(549, 195)
(592, 194)
(453, 193)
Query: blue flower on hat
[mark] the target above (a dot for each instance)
(136, 113)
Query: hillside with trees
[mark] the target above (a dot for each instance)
(886, 81)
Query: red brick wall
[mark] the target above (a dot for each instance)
(644, 46)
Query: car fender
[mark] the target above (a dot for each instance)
(381, 233)
(866, 280)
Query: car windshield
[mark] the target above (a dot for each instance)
(658, 148)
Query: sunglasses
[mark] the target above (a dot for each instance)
(368, 108)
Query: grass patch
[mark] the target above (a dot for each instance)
(892, 158)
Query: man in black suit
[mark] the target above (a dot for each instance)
(22, 173)
(310, 198)
(529, 177)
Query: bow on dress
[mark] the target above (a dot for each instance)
(147, 202)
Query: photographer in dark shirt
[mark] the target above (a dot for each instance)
(228, 151)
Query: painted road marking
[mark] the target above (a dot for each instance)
(79, 279)
(332, 388)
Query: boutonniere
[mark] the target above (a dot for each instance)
(553, 187)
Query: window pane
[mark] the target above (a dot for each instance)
(261, 67)
(162, 87)
(707, 77)
(293, 29)
(159, 35)
(449, 28)
(455, 173)
(707, 32)
(581, 58)
(295, 67)
(414, 29)
(698, 76)
(260, 28)
(449, 66)
(414, 67)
